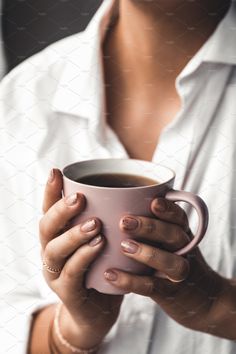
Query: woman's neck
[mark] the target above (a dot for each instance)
(158, 38)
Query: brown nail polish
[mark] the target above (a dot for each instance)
(95, 241)
(71, 199)
(129, 246)
(110, 275)
(130, 223)
(88, 225)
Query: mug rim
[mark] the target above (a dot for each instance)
(117, 188)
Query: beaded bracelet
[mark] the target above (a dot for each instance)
(63, 341)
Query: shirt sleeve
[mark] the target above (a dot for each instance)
(16, 320)
(23, 172)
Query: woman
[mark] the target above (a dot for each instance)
(169, 75)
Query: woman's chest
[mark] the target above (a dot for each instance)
(139, 131)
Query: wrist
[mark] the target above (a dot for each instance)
(67, 334)
(217, 305)
(222, 313)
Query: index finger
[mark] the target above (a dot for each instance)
(53, 189)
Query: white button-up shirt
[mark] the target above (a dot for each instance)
(52, 114)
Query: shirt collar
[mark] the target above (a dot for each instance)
(222, 44)
(80, 89)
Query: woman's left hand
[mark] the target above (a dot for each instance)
(185, 287)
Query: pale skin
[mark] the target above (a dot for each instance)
(130, 104)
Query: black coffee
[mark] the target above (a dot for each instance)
(116, 180)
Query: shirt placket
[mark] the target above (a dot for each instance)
(175, 141)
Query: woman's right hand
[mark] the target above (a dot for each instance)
(87, 315)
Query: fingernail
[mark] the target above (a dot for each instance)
(51, 176)
(160, 205)
(95, 241)
(71, 199)
(130, 223)
(129, 246)
(110, 275)
(88, 225)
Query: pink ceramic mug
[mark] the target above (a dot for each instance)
(110, 204)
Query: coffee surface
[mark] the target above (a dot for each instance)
(116, 180)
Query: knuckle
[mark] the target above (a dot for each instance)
(57, 217)
(50, 254)
(150, 226)
(68, 273)
(72, 233)
(43, 226)
(52, 217)
(181, 269)
(152, 255)
(177, 236)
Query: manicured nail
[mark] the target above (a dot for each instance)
(129, 246)
(130, 223)
(110, 275)
(160, 205)
(71, 199)
(95, 241)
(88, 225)
(51, 176)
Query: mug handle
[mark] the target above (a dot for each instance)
(202, 211)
